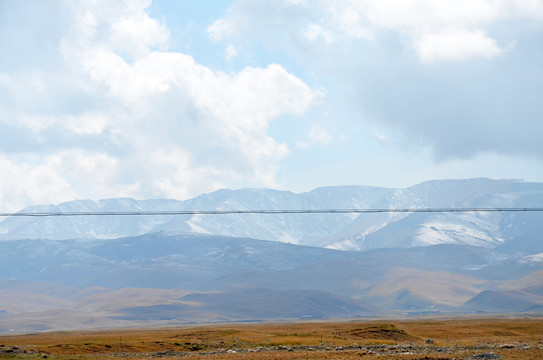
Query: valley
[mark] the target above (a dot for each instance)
(165, 280)
(105, 272)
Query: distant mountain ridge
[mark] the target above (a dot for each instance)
(159, 279)
(289, 228)
(125, 271)
(336, 231)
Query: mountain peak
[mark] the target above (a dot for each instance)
(338, 231)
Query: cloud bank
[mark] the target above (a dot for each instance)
(109, 110)
(132, 98)
(459, 77)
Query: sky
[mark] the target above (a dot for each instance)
(174, 98)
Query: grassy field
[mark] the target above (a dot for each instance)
(406, 339)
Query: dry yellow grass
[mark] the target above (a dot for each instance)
(460, 338)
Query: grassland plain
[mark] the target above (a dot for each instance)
(515, 338)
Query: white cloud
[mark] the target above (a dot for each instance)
(230, 52)
(455, 45)
(369, 53)
(536, 258)
(431, 15)
(115, 106)
(220, 30)
(380, 137)
(87, 123)
(315, 31)
(317, 134)
(62, 176)
(147, 122)
(36, 123)
(135, 35)
(123, 27)
(424, 22)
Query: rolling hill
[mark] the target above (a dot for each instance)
(131, 271)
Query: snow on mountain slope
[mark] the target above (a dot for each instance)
(99, 227)
(518, 232)
(291, 228)
(487, 229)
(303, 229)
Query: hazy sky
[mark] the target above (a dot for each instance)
(172, 98)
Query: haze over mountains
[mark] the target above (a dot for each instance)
(336, 231)
(102, 271)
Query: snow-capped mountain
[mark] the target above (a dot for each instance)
(488, 229)
(290, 228)
(89, 227)
(515, 231)
(304, 229)
(171, 269)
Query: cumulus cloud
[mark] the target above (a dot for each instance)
(425, 22)
(455, 45)
(460, 77)
(32, 179)
(122, 115)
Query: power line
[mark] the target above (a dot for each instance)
(269, 212)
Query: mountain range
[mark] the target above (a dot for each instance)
(124, 271)
(336, 231)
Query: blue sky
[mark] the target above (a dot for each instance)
(164, 98)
